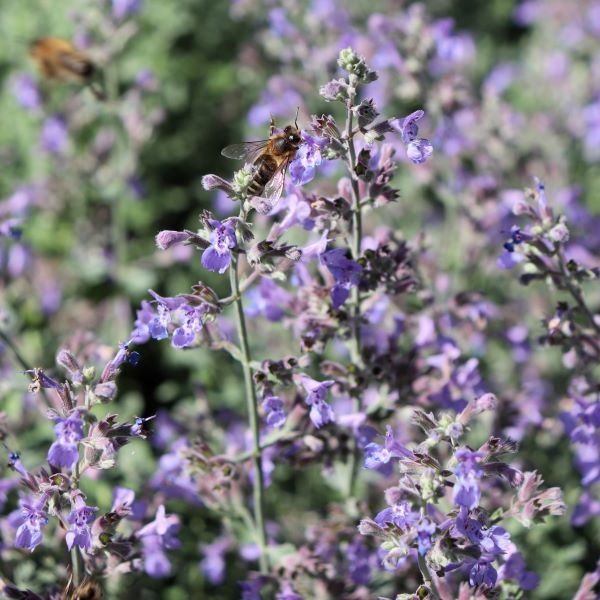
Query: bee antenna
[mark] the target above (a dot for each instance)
(296, 119)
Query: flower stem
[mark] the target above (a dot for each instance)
(427, 575)
(252, 414)
(355, 341)
(75, 575)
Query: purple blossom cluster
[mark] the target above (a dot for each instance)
(389, 367)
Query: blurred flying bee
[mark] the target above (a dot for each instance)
(270, 158)
(88, 589)
(58, 60)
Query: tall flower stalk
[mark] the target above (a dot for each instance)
(253, 419)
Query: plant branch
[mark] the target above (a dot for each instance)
(258, 488)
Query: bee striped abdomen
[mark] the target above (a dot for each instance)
(266, 166)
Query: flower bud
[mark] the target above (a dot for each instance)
(167, 238)
(242, 179)
(106, 391)
(559, 233)
(365, 112)
(210, 182)
(356, 65)
(336, 89)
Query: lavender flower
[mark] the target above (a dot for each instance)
(275, 415)
(466, 491)
(217, 256)
(302, 168)
(29, 533)
(125, 8)
(80, 534)
(346, 274)
(156, 537)
(64, 452)
(417, 149)
(26, 92)
(54, 137)
(320, 412)
(377, 455)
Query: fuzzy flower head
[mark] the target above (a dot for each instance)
(217, 257)
(64, 452)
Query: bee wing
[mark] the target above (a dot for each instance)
(248, 151)
(76, 63)
(274, 188)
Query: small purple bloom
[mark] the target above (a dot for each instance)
(302, 168)
(191, 324)
(409, 128)
(377, 455)
(54, 137)
(482, 572)
(419, 150)
(345, 271)
(29, 532)
(64, 452)
(138, 424)
(399, 515)
(156, 537)
(425, 531)
(273, 407)
(26, 92)
(80, 534)
(124, 8)
(267, 299)
(320, 412)
(466, 490)
(217, 256)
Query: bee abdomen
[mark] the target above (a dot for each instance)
(265, 169)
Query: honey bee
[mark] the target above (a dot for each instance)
(57, 59)
(88, 589)
(270, 158)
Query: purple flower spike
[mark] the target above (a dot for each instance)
(320, 412)
(80, 534)
(217, 257)
(64, 452)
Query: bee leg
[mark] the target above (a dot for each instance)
(271, 125)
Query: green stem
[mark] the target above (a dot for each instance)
(427, 575)
(355, 342)
(575, 292)
(76, 574)
(252, 414)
